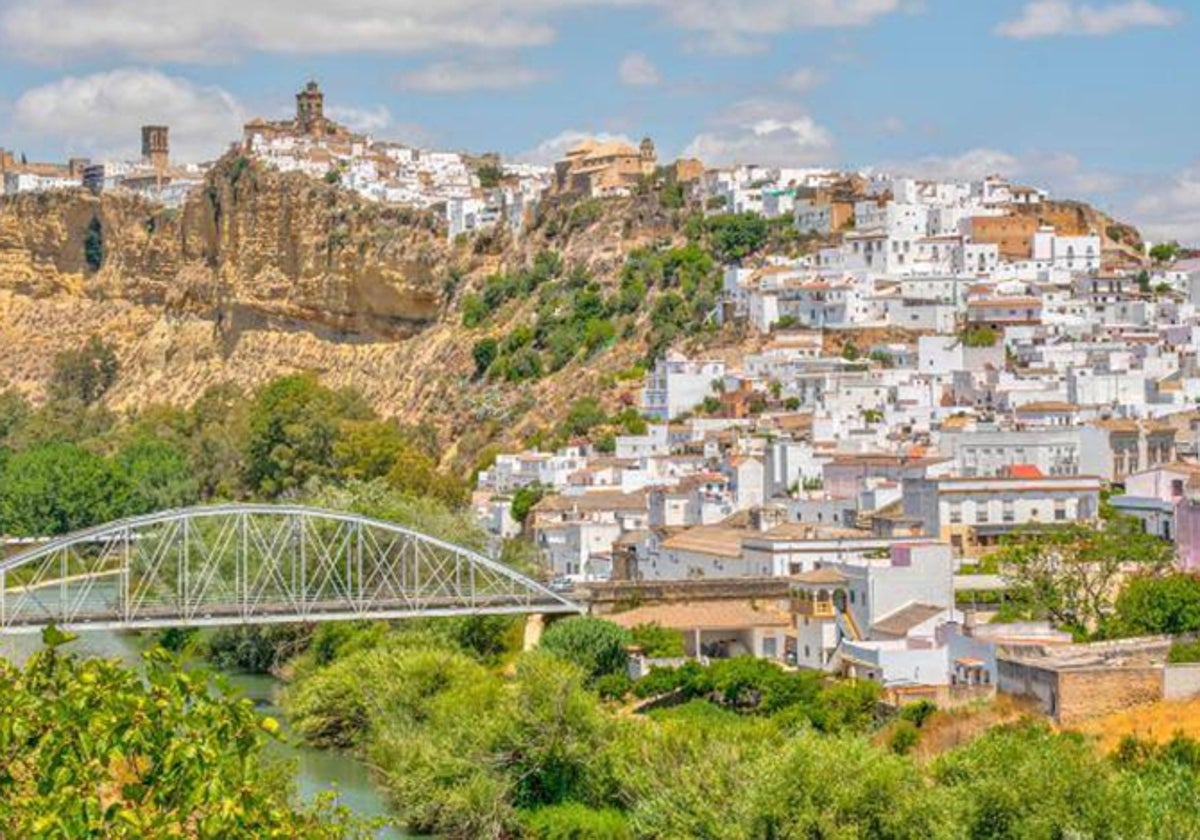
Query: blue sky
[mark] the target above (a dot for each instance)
(1088, 98)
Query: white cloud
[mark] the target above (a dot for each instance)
(222, 30)
(553, 148)
(368, 120)
(766, 133)
(1170, 209)
(463, 77)
(1045, 18)
(801, 80)
(100, 115)
(1062, 173)
(638, 71)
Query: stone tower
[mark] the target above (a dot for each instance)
(310, 109)
(156, 146)
(649, 158)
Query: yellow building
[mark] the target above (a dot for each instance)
(604, 167)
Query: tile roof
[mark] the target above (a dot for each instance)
(703, 615)
(900, 622)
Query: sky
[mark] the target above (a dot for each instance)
(1093, 100)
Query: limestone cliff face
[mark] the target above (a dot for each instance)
(263, 274)
(254, 255)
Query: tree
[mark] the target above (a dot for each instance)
(1153, 605)
(14, 413)
(57, 488)
(737, 235)
(980, 336)
(85, 374)
(1164, 252)
(584, 415)
(595, 645)
(524, 500)
(294, 422)
(158, 474)
(92, 749)
(93, 245)
(1070, 573)
(658, 642)
(484, 353)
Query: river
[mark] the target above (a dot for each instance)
(316, 770)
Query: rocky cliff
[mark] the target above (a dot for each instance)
(263, 274)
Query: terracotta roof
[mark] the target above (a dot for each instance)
(824, 576)
(600, 500)
(900, 622)
(1046, 406)
(792, 531)
(718, 540)
(1025, 471)
(704, 615)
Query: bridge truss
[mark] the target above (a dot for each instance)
(255, 564)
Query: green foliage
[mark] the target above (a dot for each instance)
(1152, 605)
(903, 737)
(15, 412)
(1027, 781)
(596, 646)
(294, 423)
(57, 488)
(737, 235)
(158, 474)
(372, 449)
(524, 499)
(255, 648)
(918, 713)
(92, 749)
(1184, 653)
(980, 336)
(1164, 252)
(93, 245)
(484, 353)
(1070, 573)
(474, 311)
(86, 374)
(658, 642)
(573, 821)
(489, 175)
(584, 415)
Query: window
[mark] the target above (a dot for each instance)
(851, 596)
(1008, 511)
(1060, 510)
(955, 513)
(981, 513)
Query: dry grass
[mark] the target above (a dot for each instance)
(1156, 722)
(949, 728)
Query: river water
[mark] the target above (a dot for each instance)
(316, 770)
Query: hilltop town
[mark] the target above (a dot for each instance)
(803, 405)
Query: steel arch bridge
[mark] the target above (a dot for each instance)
(254, 564)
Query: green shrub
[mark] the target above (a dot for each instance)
(904, 737)
(613, 686)
(572, 821)
(596, 646)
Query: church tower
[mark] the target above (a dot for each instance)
(310, 109)
(648, 156)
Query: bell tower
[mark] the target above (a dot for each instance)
(310, 109)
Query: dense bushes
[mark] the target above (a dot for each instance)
(92, 749)
(70, 464)
(596, 646)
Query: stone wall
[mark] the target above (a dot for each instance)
(1089, 693)
(1181, 682)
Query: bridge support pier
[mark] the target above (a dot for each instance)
(534, 625)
